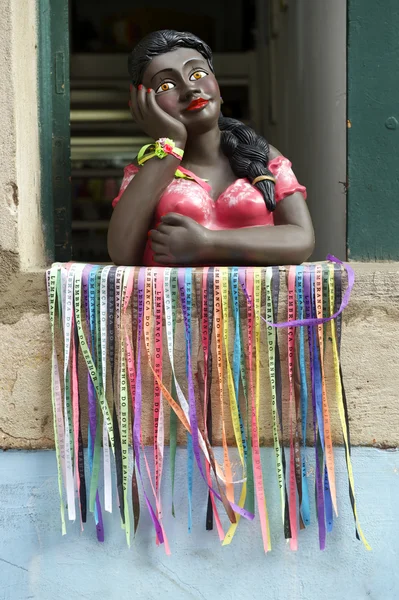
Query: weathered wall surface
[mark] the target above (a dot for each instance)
(21, 240)
(370, 359)
(8, 184)
(25, 57)
(37, 562)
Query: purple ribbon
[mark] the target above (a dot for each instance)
(316, 362)
(138, 401)
(319, 483)
(91, 397)
(315, 321)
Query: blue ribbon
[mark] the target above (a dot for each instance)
(305, 508)
(319, 485)
(93, 435)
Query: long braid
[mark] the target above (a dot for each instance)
(248, 154)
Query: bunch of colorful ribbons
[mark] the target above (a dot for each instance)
(117, 319)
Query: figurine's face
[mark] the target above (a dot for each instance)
(185, 88)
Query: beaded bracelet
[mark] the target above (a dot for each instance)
(160, 149)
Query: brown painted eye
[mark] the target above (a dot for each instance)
(165, 86)
(198, 75)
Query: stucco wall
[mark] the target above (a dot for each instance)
(37, 562)
(8, 189)
(21, 241)
(25, 48)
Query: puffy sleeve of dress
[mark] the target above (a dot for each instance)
(286, 182)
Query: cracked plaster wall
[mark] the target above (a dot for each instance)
(21, 239)
(370, 359)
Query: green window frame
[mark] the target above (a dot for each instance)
(54, 126)
(373, 133)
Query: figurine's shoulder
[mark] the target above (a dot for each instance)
(273, 152)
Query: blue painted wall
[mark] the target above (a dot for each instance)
(36, 562)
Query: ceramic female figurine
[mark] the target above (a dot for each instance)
(210, 191)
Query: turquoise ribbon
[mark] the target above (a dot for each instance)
(305, 508)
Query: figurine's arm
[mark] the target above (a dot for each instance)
(180, 240)
(133, 214)
(289, 241)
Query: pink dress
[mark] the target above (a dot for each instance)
(240, 205)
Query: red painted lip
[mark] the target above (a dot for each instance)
(197, 104)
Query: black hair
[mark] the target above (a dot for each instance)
(248, 152)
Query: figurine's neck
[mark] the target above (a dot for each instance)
(204, 148)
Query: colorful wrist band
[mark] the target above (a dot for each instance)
(160, 149)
